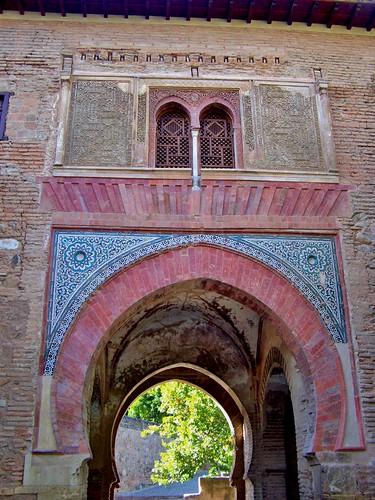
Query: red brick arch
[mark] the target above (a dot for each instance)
(271, 295)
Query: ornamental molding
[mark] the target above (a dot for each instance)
(83, 261)
(151, 195)
(137, 59)
(196, 98)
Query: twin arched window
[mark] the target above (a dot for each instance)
(174, 144)
(173, 140)
(216, 139)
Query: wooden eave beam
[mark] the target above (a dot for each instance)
(84, 8)
(62, 8)
(270, 11)
(168, 10)
(311, 14)
(291, 12)
(250, 12)
(147, 9)
(230, 10)
(105, 8)
(188, 10)
(20, 7)
(209, 10)
(370, 24)
(332, 15)
(126, 8)
(354, 12)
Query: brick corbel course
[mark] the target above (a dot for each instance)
(142, 197)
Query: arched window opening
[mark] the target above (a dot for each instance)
(216, 140)
(173, 140)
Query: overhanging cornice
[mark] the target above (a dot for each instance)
(328, 13)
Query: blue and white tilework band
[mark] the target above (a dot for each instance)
(82, 261)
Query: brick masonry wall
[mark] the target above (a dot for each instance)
(30, 61)
(21, 296)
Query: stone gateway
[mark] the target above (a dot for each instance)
(187, 193)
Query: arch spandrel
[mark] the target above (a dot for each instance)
(82, 262)
(270, 294)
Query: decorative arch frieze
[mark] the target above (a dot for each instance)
(170, 102)
(196, 100)
(83, 261)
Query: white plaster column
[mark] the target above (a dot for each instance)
(46, 438)
(62, 121)
(325, 122)
(47, 472)
(196, 179)
(352, 437)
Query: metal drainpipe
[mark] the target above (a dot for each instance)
(196, 179)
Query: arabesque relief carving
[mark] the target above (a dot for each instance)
(99, 131)
(141, 118)
(278, 126)
(287, 128)
(195, 97)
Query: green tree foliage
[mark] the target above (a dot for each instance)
(147, 407)
(194, 433)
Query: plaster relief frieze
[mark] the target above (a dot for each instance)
(141, 118)
(99, 128)
(195, 97)
(248, 125)
(288, 128)
(134, 59)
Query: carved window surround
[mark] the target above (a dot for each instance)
(264, 113)
(195, 102)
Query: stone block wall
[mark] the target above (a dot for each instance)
(135, 455)
(214, 488)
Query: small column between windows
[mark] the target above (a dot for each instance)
(196, 178)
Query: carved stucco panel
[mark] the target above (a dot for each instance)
(248, 125)
(141, 117)
(100, 119)
(288, 128)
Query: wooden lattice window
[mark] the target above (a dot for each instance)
(173, 140)
(216, 140)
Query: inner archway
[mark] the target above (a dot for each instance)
(174, 432)
(279, 467)
(187, 333)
